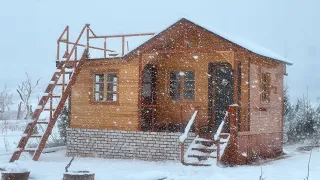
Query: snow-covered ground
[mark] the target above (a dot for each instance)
(51, 167)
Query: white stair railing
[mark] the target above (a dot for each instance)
(184, 136)
(217, 137)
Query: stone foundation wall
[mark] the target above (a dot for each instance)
(125, 144)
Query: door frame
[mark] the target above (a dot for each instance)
(211, 92)
(153, 104)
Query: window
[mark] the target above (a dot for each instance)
(265, 87)
(177, 79)
(175, 85)
(105, 87)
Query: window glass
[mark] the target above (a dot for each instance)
(184, 78)
(105, 89)
(189, 75)
(146, 91)
(174, 85)
(99, 87)
(99, 78)
(98, 96)
(188, 94)
(188, 90)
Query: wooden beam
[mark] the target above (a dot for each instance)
(122, 46)
(105, 48)
(233, 114)
(92, 47)
(123, 35)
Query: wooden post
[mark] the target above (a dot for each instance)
(122, 45)
(181, 116)
(196, 125)
(75, 58)
(152, 118)
(63, 80)
(233, 113)
(140, 93)
(105, 47)
(88, 30)
(218, 150)
(58, 50)
(182, 152)
(50, 96)
(235, 82)
(67, 43)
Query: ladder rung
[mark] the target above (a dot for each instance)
(42, 122)
(49, 109)
(36, 136)
(55, 96)
(62, 84)
(29, 150)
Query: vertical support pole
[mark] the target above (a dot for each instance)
(233, 112)
(122, 45)
(88, 31)
(196, 122)
(67, 44)
(50, 114)
(63, 80)
(282, 105)
(249, 87)
(127, 46)
(140, 73)
(235, 81)
(152, 119)
(181, 117)
(105, 48)
(182, 152)
(218, 150)
(75, 58)
(58, 50)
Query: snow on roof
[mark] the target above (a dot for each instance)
(237, 40)
(246, 44)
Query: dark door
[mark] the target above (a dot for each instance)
(148, 98)
(220, 94)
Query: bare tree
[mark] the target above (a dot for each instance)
(25, 90)
(5, 99)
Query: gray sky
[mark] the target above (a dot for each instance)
(29, 30)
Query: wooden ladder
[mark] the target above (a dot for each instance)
(54, 112)
(58, 79)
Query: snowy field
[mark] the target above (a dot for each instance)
(51, 166)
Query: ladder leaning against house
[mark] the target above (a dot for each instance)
(59, 79)
(69, 65)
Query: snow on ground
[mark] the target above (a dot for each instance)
(51, 167)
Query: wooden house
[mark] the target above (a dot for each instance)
(187, 93)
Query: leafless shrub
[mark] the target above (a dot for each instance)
(4, 131)
(5, 99)
(25, 90)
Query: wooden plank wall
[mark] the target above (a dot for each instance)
(270, 120)
(254, 146)
(169, 110)
(122, 116)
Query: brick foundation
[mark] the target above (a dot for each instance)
(113, 144)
